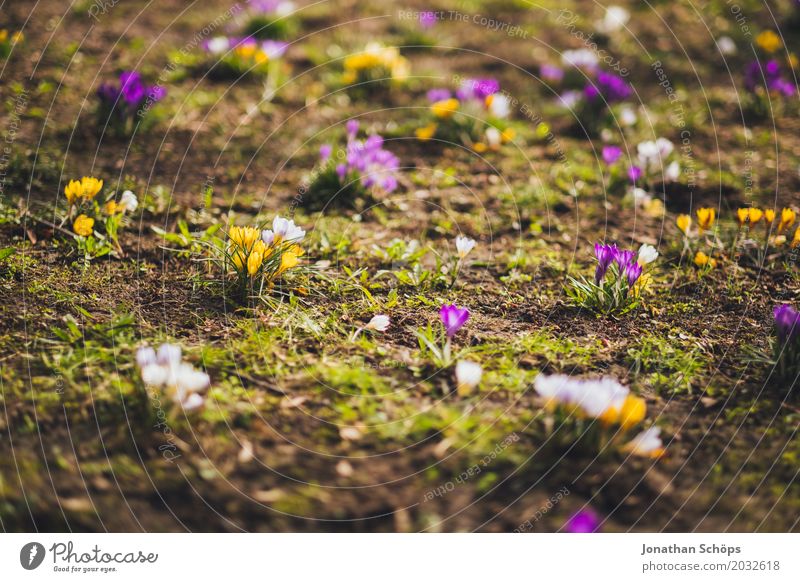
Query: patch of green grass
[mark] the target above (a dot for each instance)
(671, 362)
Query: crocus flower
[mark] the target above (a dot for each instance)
(632, 271)
(580, 58)
(453, 318)
(684, 222)
(635, 174)
(726, 45)
(435, 95)
(787, 219)
(646, 444)
(551, 73)
(705, 218)
(128, 201)
(165, 369)
(612, 87)
(464, 245)
(592, 397)
(787, 322)
(611, 154)
(584, 521)
(284, 229)
(615, 18)
(647, 254)
(83, 225)
(468, 376)
(427, 19)
(378, 323)
(605, 254)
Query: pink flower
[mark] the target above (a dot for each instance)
(453, 318)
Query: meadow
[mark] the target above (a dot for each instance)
(475, 265)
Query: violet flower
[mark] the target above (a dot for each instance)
(611, 154)
(632, 271)
(767, 74)
(584, 521)
(435, 95)
(453, 318)
(605, 254)
(612, 87)
(427, 19)
(551, 73)
(787, 323)
(635, 173)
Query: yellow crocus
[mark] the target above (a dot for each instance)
(112, 207)
(91, 186)
(3, 35)
(17, 37)
(362, 61)
(769, 216)
(702, 260)
(769, 41)
(508, 134)
(254, 262)
(480, 147)
(445, 108)
(796, 239)
(83, 225)
(749, 215)
(73, 191)
(705, 218)
(290, 258)
(684, 222)
(427, 132)
(632, 413)
(788, 217)
(244, 237)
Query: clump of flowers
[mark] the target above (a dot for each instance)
(593, 104)
(439, 343)
(179, 380)
(618, 282)
(351, 176)
(122, 105)
(270, 19)
(375, 68)
(758, 235)
(600, 409)
(259, 257)
(96, 225)
(768, 79)
(786, 346)
(475, 115)
(8, 41)
(234, 57)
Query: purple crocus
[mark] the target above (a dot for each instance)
(623, 258)
(584, 521)
(635, 173)
(613, 88)
(325, 151)
(605, 254)
(787, 323)
(551, 73)
(632, 271)
(611, 154)
(453, 318)
(427, 19)
(477, 89)
(767, 74)
(435, 95)
(130, 94)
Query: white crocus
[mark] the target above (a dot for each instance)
(218, 44)
(672, 172)
(628, 116)
(580, 58)
(464, 246)
(494, 139)
(378, 323)
(499, 106)
(647, 443)
(128, 201)
(285, 229)
(647, 254)
(615, 19)
(164, 369)
(726, 45)
(468, 376)
(593, 396)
